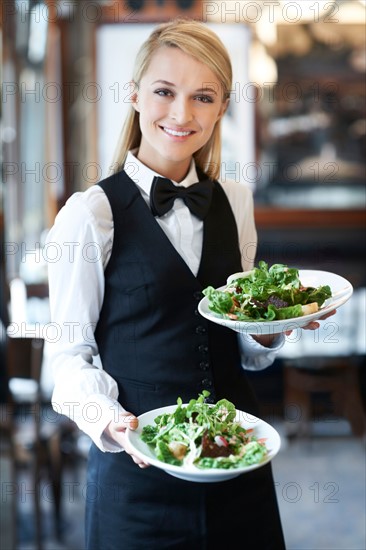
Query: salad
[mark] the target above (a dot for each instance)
(203, 435)
(266, 294)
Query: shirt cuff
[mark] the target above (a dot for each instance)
(103, 441)
(254, 356)
(97, 412)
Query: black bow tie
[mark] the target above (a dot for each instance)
(197, 197)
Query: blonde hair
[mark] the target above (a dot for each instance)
(197, 40)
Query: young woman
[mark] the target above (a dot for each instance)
(126, 292)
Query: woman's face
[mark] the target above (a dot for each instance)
(179, 100)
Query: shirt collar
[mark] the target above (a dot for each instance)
(143, 176)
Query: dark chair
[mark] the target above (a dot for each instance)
(32, 441)
(336, 376)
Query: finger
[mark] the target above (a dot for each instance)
(131, 422)
(311, 326)
(139, 462)
(126, 420)
(128, 448)
(333, 312)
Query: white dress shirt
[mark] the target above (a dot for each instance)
(83, 232)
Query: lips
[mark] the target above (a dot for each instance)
(176, 133)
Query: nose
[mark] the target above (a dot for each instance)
(181, 111)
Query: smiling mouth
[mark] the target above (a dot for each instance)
(176, 133)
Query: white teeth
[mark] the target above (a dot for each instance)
(175, 133)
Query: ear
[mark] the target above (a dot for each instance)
(134, 96)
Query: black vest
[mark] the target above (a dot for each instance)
(157, 347)
(151, 338)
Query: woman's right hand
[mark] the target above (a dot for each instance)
(116, 430)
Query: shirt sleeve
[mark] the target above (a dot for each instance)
(82, 234)
(254, 356)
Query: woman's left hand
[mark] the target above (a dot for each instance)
(313, 325)
(267, 340)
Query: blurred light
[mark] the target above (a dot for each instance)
(263, 69)
(352, 13)
(266, 31)
(340, 12)
(37, 33)
(8, 134)
(358, 60)
(302, 12)
(22, 5)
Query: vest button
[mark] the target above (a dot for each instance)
(206, 383)
(209, 400)
(204, 365)
(196, 312)
(203, 348)
(197, 295)
(200, 329)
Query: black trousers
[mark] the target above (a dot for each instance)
(128, 508)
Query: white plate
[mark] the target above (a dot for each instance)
(192, 473)
(341, 292)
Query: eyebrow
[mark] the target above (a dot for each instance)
(167, 83)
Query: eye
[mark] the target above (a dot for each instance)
(163, 92)
(205, 98)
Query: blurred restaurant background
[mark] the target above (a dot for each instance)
(295, 133)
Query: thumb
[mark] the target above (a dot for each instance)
(127, 420)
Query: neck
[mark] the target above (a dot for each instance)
(175, 171)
